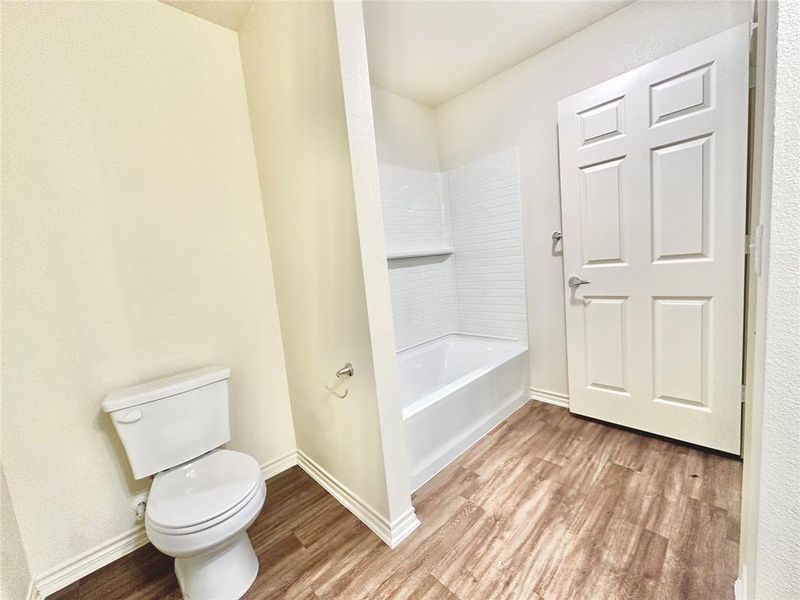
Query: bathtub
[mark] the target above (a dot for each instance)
(454, 390)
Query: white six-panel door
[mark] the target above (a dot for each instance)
(653, 178)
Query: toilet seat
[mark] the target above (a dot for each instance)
(187, 544)
(202, 493)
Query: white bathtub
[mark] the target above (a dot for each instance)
(454, 390)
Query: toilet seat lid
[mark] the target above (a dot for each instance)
(202, 489)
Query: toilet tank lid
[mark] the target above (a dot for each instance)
(164, 387)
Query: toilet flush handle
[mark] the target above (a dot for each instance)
(130, 417)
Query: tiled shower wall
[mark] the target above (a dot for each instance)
(415, 214)
(424, 301)
(414, 207)
(474, 210)
(486, 226)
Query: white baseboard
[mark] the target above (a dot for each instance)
(279, 465)
(107, 552)
(550, 397)
(403, 527)
(391, 533)
(93, 559)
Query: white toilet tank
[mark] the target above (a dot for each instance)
(170, 421)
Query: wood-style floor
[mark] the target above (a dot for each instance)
(547, 506)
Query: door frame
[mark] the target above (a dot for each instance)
(764, 59)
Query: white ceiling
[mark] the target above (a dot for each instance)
(432, 51)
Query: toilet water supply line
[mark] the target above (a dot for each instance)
(343, 373)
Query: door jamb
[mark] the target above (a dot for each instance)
(760, 141)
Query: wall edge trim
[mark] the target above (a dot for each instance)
(390, 533)
(549, 397)
(740, 585)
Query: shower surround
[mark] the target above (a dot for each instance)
(454, 242)
(454, 251)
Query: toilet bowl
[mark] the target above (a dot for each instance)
(203, 498)
(198, 513)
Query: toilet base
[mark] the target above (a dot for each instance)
(222, 574)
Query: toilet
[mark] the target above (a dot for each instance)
(203, 497)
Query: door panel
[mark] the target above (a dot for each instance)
(680, 200)
(600, 123)
(606, 363)
(681, 95)
(600, 213)
(682, 347)
(653, 172)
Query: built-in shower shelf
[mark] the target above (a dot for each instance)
(412, 252)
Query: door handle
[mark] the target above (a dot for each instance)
(576, 282)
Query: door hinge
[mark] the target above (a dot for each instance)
(744, 394)
(747, 247)
(751, 77)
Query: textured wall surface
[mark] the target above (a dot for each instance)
(133, 247)
(352, 42)
(294, 90)
(405, 131)
(777, 568)
(16, 575)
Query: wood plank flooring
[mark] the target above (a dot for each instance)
(547, 506)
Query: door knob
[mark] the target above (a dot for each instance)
(576, 282)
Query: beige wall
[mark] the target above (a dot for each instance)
(351, 38)
(133, 246)
(518, 108)
(14, 573)
(294, 91)
(405, 131)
